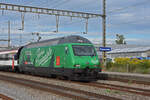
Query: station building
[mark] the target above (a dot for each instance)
(138, 52)
(126, 51)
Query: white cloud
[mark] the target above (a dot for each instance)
(132, 39)
(5, 31)
(123, 17)
(99, 40)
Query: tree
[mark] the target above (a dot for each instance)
(120, 39)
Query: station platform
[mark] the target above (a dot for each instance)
(127, 76)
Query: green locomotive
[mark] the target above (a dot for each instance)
(72, 57)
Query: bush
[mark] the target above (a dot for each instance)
(109, 65)
(129, 65)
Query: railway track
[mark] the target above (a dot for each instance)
(140, 91)
(129, 80)
(4, 97)
(59, 90)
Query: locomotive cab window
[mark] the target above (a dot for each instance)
(83, 50)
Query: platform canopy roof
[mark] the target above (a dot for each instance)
(127, 50)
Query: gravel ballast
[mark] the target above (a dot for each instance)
(18, 92)
(47, 96)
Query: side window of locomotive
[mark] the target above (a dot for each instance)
(66, 50)
(28, 58)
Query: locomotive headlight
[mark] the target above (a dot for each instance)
(76, 65)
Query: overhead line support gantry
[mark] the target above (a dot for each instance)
(20, 8)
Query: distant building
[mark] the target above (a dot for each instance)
(130, 51)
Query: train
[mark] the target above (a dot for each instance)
(71, 57)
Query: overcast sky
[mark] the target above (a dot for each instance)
(130, 18)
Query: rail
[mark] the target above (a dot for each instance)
(59, 90)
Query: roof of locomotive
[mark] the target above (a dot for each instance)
(61, 40)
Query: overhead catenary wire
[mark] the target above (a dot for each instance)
(22, 21)
(130, 22)
(135, 22)
(124, 8)
(45, 3)
(72, 22)
(60, 3)
(127, 7)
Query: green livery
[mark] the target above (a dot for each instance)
(75, 59)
